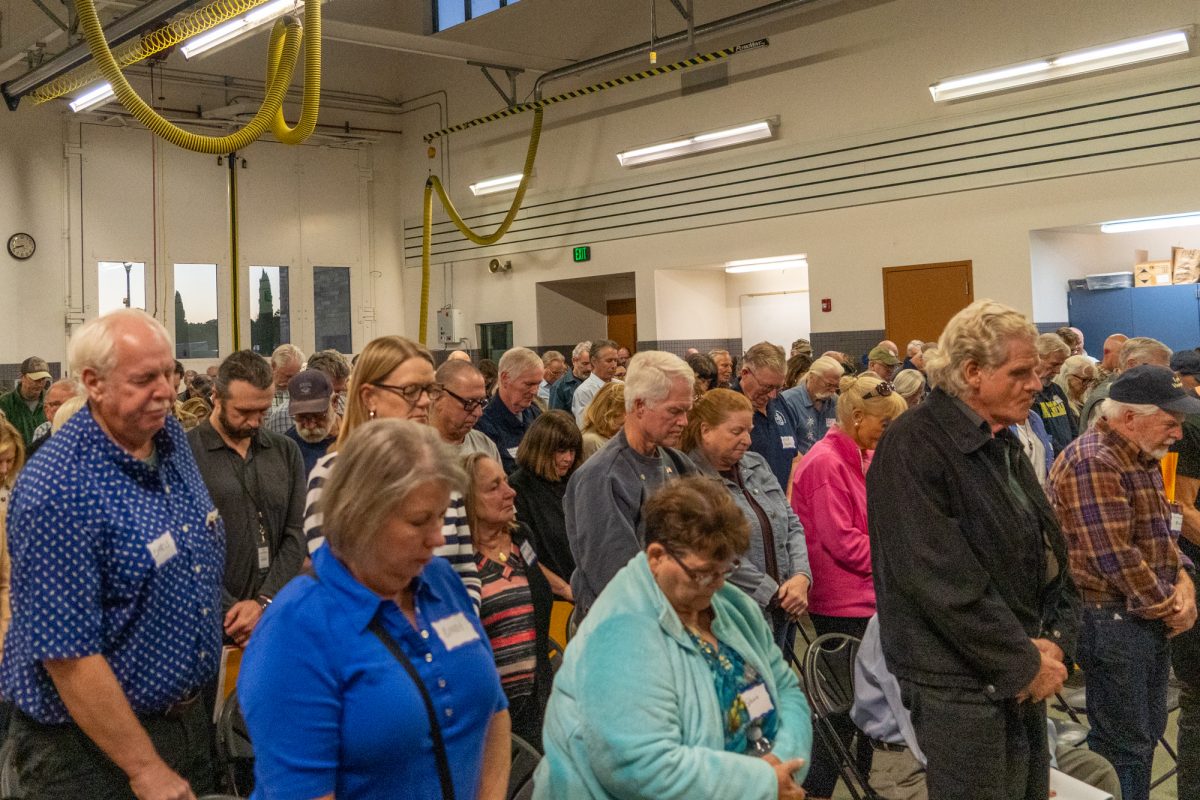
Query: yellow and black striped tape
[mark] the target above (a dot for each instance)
(696, 60)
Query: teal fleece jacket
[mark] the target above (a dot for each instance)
(633, 712)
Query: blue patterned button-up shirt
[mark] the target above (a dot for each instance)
(111, 556)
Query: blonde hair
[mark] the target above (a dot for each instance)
(11, 439)
(470, 464)
(712, 409)
(606, 413)
(854, 391)
(67, 410)
(981, 333)
(375, 363)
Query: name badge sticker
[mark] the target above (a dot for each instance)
(758, 701)
(1176, 521)
(788, 442)
(163, 549)
(528, 554)
(512, 452)
(455, 630)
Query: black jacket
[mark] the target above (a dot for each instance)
(960, 562)
(540, 507)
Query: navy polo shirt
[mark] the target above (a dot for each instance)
(774, 438)
(506, 429)
(811, 424)
(332, 712)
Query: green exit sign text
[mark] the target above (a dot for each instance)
(582, 253)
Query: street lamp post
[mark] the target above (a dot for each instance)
(128, 295)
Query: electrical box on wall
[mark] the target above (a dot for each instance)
(450, 325)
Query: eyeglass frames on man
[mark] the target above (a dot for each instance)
(704, 579)
(413, 391)
(468, 405)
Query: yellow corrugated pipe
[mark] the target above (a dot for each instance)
(283, 51)
(310, 103)
(433, 184)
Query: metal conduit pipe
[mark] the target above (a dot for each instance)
(735, 20)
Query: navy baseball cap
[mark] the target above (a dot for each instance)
(309, 392)
(1152, 385)
(1186, 362)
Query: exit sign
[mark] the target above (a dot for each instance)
(582, 253)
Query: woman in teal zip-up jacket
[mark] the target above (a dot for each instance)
(673, 687)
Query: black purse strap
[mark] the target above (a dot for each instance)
(435, 730)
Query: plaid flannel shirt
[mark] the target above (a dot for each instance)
(1116, 520)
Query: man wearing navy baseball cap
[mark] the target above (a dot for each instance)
(1107, 488)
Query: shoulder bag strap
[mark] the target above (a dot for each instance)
(435, 730)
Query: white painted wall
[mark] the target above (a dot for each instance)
(689, 304)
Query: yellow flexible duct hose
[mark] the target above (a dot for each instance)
(284, 49)
(433, 184)
(310, 103)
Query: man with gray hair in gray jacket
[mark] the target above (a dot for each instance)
(604, 498)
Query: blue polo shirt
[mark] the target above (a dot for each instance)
(114, 557)
(507, 429)
(774, 438)
(811, 424)
(562, 393)
(332, 712)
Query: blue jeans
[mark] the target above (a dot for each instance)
(1126, 663)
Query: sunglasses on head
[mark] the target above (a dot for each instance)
(882, 389)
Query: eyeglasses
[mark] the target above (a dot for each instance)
(763, 386)
(468, 405)
(704, 579)
(882, 389)
(413, 391)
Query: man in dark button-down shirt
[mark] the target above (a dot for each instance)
(256, 479)
(512, 410)
(774, 433)
(562, 391)
(977, 609)
(116, 568)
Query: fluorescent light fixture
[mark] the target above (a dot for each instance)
(761, 264)
(96, 96)
(235, 28)
(700, 142)
(1151, 223)
(505, 183)
(1065, 65)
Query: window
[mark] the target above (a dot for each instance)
(331, 308)
(494, 339)
(196, 311)
(448, 13)
(121, 284)
(270, 319)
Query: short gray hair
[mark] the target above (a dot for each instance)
(827, 365)
(1143, 350)
(94, 345)
(286, 354)
(581, 349)
(332, 363)
(377, 467)
(765, 355)
(1110, 408)
(980, 333)
(1050, 343)
(650, 375)
(550, 356)
(517, 361)
(913, 347)
(450, 370)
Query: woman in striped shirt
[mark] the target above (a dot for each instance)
(515, 598)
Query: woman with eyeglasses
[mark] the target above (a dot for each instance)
(673, 686)
(774, 569)
(829, 494)
(1076, 378)
(393, 379)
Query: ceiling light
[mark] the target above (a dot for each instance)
(505, 183)
(1151, 223)
(96, 96)
(700, 142)
(1065, 65)
(761, 264)
(235, 28)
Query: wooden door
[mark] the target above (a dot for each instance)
(919, 300)
(622, 323)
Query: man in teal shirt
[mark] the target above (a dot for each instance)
(23, 405)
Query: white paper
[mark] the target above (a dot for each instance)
(162, 549)
(788, 442)
(758, 701)
(1064, 787)
(455, 630)
(1176, 521)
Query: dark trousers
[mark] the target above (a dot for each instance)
(59, 762)
(1126, 665)
(1185, 657)
(978, 748)
(824, 772)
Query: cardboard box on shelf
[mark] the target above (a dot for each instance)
(1152, 273)
(1185, 265)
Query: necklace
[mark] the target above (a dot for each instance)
(498, 548)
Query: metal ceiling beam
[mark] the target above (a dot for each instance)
(116, 32)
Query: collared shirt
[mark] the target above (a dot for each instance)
(774, 438)
(23, 418)
(261, 499)
(506, 429)
(113, 557)
(1110, 503)
(583, 396)
(279, 418)
(811, 422)
(329, 708)
(563, 390)
(878, 710)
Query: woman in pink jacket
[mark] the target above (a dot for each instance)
(829, 495)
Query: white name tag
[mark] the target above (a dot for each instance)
(455, 630)
(758, 701)
(528, 554)
(512, 452)
(1176, 521)
(789, 442)
(162, 549)
(264, 557)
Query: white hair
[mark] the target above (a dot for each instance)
(286, 354)
(1110, 409)
(517, 361)
(581, 349)
(914, 347)
(94, 345)
(650, 375)
(827, 365)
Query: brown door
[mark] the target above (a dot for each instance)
(919, 300)
(622, 322)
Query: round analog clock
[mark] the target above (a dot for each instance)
(21, 246)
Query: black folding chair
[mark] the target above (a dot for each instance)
(10, 785)
(234, 747)
(828, 675)
(525, 758)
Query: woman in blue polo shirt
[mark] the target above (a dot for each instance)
(373, 678)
